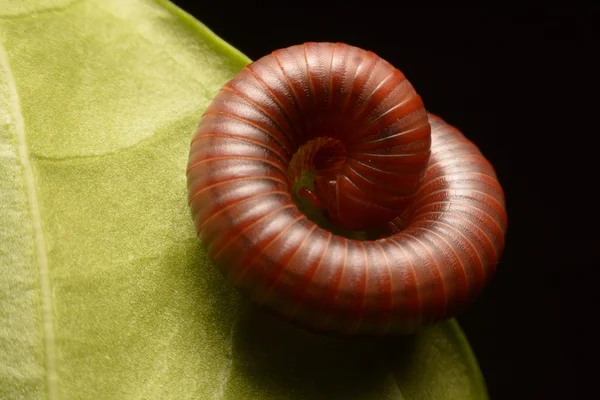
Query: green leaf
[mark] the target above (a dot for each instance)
(105, 291)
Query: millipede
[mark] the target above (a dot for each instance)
(380, 163)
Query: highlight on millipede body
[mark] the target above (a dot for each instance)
(380, 163)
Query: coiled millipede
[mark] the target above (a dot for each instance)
(381, 162)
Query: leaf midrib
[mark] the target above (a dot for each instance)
(41, 254)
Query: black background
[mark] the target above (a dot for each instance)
(506, 78)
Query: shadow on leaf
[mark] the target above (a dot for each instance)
(270, 354)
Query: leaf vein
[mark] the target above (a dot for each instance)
(36, 224)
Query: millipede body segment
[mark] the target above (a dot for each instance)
(381, 162)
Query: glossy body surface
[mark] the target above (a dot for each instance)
(385, 162)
